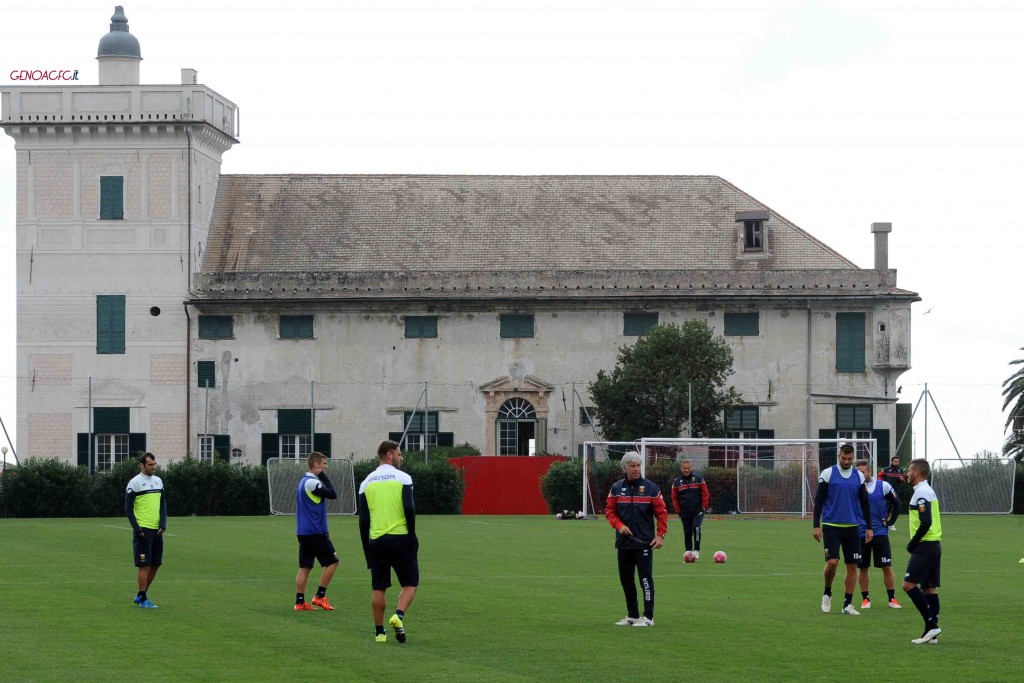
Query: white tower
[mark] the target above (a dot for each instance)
(115, 187)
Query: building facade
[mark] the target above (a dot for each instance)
(165, 305)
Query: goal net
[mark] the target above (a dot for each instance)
(771, 476)
(283, 475)
(600, 462)
(974, 487)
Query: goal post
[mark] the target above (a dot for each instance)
(773, 476)
(595, 452)
(283, 475)
(982, 486)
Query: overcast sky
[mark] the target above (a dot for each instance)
(834, 114)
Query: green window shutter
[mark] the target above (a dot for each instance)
(395, 436)
(268, 447)
(852, 417)
(294, 421)
(421, 327)
(111, 198)
(222, 447)
(296, 327)
(415, 421)
(111, 421)
(827, 453)
(216, 327)
(446, 439)
(745, 418)
(83, 449)
(207, 373)
(322, 444)
(515, 326)
(638, 324)
(766, 452)
(850, 330)
(882, 456)
(110, 327)
(742, 324)
(136, 445)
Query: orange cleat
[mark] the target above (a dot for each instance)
(322, 603)
(304, 607)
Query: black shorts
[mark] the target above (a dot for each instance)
(392, 551)
(923, 566)
(148, 548)
(880, 548)
(846, 537)
(317, 546)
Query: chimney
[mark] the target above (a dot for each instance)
(881, 231)
(189, 76)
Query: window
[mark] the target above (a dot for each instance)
(206, 448)
(295, 446)
(586, 415)
(207, 373)
(741, 423)
(216, 327)
(742, 324)
(111, 449)
(516, 427)
(111, 427)
(110, 323)
(753, 235)
(419, 435)
(850, 342)
(516, 326)
(421, 327)
(638, 324)
(854, 422)
(111, 198)
(296, 327)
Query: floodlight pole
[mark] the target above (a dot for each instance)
(13, 452)
(926, 396)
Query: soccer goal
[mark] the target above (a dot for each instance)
(596, 452)
(283, 475)
(773, 476)
(974, 487)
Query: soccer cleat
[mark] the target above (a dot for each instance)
(933, 641)
(304, 607)
(826, 603)
(396, 623)
(381, 637)
(147, 604)
(627, 621)
(643, 621)
(849, 610)
(322, 603)
(137, 600)
(866, 604)
(894, 603)
(696, 554)
(929, 635)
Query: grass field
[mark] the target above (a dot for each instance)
(501, 599)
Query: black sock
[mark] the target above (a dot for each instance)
(321, 592)
(379, 629)
(921, 603)
(400, 613)
(142, 596)
(864, 594)
(892, 593)
(300, 598)
(828, 591)
(847, 599)
(933, 605)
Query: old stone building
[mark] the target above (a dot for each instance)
(264, 315)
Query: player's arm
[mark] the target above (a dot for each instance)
(612, 515)
(660, 515)
(705, 496)
(325, 489)
(675, 499)
(163, 511)
(924, 515)
(410, 509)
(893, 503)
(364, 526)
(865, 509)
(129, 509)
(819, 502)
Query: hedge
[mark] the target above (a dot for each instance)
(437, 486)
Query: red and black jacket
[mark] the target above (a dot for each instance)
(690, 495)
(636, 504)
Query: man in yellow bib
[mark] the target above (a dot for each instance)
(387, 528)
(146, 507)
(925, 551)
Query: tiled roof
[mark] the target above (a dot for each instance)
(362, 223)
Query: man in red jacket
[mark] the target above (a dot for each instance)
(690, 500)
(633, 505)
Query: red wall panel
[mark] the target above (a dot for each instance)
(504, 485)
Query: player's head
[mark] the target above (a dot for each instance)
(631, 465)
(894, 461)
(147, 463)
(862, 466)
(846, 456)
(390, 453)
(685, 467)
(317, 462)
(918, 471)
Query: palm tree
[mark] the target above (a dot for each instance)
(1013, 392)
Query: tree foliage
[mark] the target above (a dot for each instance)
(1013, 393)
(646, 393)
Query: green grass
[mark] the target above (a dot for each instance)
(502, 599)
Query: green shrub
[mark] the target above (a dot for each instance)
(217, 488)
(46, 488)
(108, 488)
(438, 487)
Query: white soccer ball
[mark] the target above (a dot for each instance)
(721, 557)
(558, 515)
(579, 515)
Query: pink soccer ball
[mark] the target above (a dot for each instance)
(720, 557)
(689, 557)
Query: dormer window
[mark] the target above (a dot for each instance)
(753, 236)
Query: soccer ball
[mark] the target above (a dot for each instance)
(720, 557)
(579, 515)
(558, 516)
(689, 557)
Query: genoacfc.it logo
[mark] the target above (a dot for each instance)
(44, 75)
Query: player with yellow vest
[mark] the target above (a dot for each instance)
(387, 528)
(146, 507)
(921, 582)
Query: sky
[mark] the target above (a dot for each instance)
(834, 114)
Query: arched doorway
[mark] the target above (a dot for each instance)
(516, 427)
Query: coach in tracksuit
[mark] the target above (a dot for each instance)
(633, 506)
(690, 500)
